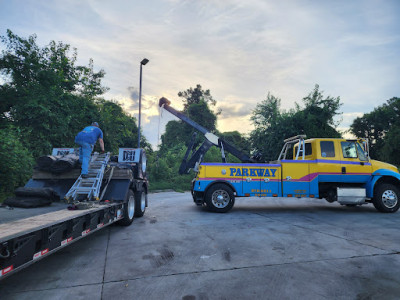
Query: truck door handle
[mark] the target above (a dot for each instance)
(343, 170)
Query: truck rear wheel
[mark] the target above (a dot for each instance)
(140, 203)
(220, 198)
(129, 210)
(386, 198)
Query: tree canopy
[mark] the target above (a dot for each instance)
(196, 107)
(381, 127)
(46, 99)
(273, 125)
(196, 95)
(45, 94)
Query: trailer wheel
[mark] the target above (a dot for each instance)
(386, 198)
(220, 198)
(140, 203)
(129, 210)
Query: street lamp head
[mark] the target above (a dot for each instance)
(144, 61)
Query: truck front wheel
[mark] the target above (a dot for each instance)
(129, 210)
(220, 198)
(386, 198)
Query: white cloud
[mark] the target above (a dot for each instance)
(238, 49)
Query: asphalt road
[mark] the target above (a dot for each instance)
(263, 249)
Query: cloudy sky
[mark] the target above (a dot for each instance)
(240, 50)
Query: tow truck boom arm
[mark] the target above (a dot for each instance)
(212, 139)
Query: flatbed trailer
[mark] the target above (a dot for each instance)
(29, 235)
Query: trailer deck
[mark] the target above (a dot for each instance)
(23, 226)
(24, 241)
(11, 214)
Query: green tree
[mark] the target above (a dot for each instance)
(195, 95)
(374, 127)
(120, 129)
(273, 125)
(380, 127)
(391, 146)
(45, 93)
(16, 161)
(317, 117)
(196, 107)
(267, 113)
(235, 138)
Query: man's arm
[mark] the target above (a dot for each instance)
(101, 142)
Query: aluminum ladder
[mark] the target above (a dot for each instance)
(89, 188)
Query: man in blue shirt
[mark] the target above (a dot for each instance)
(87, 138)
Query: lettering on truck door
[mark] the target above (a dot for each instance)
(261, 180)
(251, 182)
(270, 180)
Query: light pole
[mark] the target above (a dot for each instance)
(142, 63)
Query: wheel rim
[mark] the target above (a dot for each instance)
(389, 198)
(143, 202)
(220, 198)
(131, 207)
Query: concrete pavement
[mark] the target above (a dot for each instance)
(267, 248)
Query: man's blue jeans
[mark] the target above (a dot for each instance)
(84, 156)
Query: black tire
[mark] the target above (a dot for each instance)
(331, 195)
(129, 210)
(386, 198)
(220, 198)
(140, 203)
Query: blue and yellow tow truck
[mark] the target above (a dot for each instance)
(335, 169)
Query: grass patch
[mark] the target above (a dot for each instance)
(179, 186)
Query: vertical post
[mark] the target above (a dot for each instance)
(142, 63)
(140, 103)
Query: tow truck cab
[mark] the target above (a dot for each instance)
(329, 164)
(334, 169)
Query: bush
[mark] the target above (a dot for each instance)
(163, 171)
(163, 168)
(16, 162)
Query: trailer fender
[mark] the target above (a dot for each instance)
(138, 185)
(117, 190)
(381, 175)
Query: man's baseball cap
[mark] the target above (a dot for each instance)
(95, 124)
